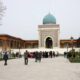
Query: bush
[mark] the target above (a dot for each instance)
(73, 56)
(76, 59)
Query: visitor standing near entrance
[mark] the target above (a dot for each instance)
(36, 56)
(40, 55)
(50, 54)
(5, 58)
(26, 57)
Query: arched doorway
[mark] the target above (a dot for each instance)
(49, 42)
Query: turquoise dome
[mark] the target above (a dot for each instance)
(49, 19)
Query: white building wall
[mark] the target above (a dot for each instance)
(49, 30)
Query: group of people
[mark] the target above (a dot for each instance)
(5, 57)
(44, 54)
(37, 56)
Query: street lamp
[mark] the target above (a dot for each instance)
(72, 42)
(67, 47)
(19, 48)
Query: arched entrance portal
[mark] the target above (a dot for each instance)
(49, 43)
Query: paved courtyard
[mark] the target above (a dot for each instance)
(49, 69)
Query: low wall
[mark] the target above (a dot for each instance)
(60, 50)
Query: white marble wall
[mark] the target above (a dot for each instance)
(49, 30)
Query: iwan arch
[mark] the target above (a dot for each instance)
(49, 32)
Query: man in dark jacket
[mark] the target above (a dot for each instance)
(36, 56)
(26, 57)
(5, 57)
(40, 55)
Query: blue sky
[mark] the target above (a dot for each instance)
(22, 17)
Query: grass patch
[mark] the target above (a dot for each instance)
(1, 59)
(73, 56)
(75, 60)
(8, 59)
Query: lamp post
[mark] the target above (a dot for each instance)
(19, 48)
(67, 47)
(72, 42)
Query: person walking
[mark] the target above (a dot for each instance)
(5, 58)
(26, 57)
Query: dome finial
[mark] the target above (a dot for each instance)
(49, 13)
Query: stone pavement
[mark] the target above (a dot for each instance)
(49, 69)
